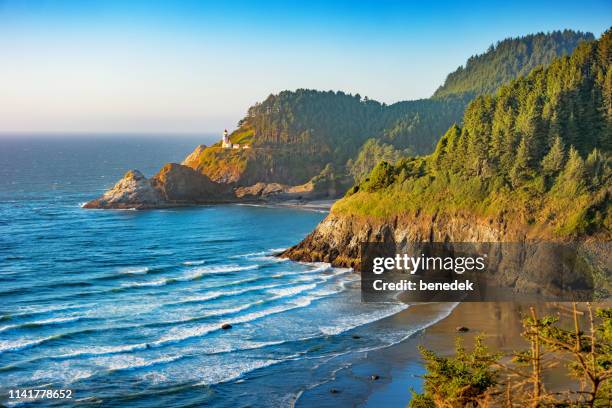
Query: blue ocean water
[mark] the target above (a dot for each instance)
(125, 307)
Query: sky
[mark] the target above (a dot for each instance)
(196, 66)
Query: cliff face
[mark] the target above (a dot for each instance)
(337, 238)
(524, 263)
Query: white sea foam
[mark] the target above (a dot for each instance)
(101, 351)
(211, 270)
(193, 275)
(220, 293)
(61, 373)
(269, 259)
(16, 345)
(267, 255)
(178, 334)
(294, 290)
(327, 292)
(159, 282)
(190, 263)
(56, 320)
(134, 270)
(124, 363)
(225, 284)
(350, 322)
(215, 313)
(29, 310)
(250, 254)
(232, 371)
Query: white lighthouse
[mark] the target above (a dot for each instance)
(225, 142)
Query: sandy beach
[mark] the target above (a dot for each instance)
(399, 367)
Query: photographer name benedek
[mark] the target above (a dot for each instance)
(421, 285)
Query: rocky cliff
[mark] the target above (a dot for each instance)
(521, 263)
(338, 237)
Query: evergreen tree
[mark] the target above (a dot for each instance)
(520, 170)
(554, 160)
(595, 167)
(571, 181)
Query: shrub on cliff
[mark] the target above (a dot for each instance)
(382, 176)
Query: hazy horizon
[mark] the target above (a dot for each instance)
(194, 68)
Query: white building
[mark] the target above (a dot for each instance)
(225, 142)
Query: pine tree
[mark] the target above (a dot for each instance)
(520, 170)
(571, 180)
(594, 167)
(554, 160)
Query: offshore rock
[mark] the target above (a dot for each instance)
(174, 185)
(134, 190)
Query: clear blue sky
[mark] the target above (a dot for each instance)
(196, 66)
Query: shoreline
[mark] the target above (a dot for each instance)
(499, 321)
(399, 367)
(322, 205)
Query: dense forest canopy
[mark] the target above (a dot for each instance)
(340, 123)
(327, 127)
(540, 147)
(509, 59)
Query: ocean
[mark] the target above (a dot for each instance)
(125, 308)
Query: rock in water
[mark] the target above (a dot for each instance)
(226, 326)
(134, 190)
(174, 185)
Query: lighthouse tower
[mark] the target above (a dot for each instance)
(225, 142)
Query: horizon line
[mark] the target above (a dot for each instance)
(107, 133)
